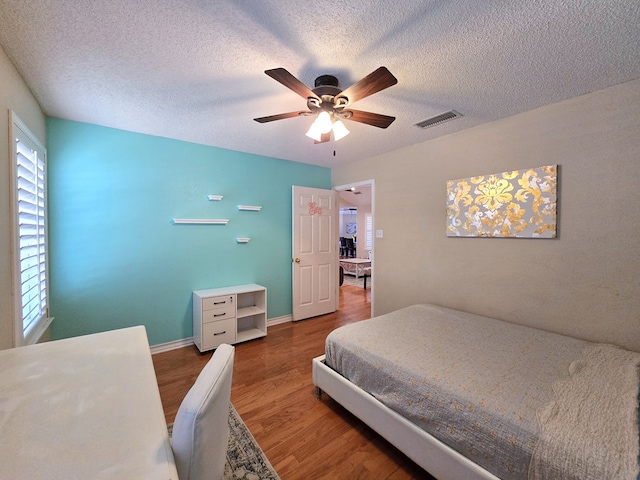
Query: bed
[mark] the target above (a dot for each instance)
(466, 396)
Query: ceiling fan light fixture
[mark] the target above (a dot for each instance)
(320, 126)
(324, 122)
(314, 132)
(339, 130)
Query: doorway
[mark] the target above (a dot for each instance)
(356, 203)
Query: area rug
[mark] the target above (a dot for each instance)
(356, 282)
(245, 458)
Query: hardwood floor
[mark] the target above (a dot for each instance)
(304, 437)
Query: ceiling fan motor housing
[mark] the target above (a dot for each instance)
(326, 80)
(326, 88)
(326, 85)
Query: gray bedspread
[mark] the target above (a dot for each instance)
(473, 382)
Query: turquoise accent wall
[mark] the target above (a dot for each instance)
(116, 260)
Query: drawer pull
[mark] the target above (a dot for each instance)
(219, 314)
(220, 303)
(219, 333)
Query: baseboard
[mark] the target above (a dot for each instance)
(278, 320)
(165, 347)
(185, 342)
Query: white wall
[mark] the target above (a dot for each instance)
(16, 96)
(585, 283)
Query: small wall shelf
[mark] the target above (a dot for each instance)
(215, 198)
(252, 208)
(200, 221)
(242, 239)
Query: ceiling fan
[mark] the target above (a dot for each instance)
(331, 104)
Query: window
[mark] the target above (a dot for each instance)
(368, 229)
(30, 234)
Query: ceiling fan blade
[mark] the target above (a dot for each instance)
(375, 119)
(325, 137)
(285, 78)
(372, 83)
(281, 116)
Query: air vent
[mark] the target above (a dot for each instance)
(438, 119)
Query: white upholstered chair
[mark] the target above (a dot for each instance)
(201, 428)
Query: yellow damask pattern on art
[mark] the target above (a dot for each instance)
(519, 203)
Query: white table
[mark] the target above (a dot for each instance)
(355, 266)
(83, 408)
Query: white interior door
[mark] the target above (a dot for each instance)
(315, 252)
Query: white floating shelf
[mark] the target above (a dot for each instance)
(200, 221)
(243, 239)
(253, 208)
(215, 198)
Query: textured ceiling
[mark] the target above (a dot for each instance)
(347, 198)
(193, 69)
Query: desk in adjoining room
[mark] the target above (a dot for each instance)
(355, 266)
(84, 407)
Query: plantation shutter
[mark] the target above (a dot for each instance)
(368, 228)
(30, 194)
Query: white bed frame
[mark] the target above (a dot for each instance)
(435, 457)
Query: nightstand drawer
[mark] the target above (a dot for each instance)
(224, 301)
(217, 333)
(226, 311)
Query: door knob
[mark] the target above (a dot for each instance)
(297, 260)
